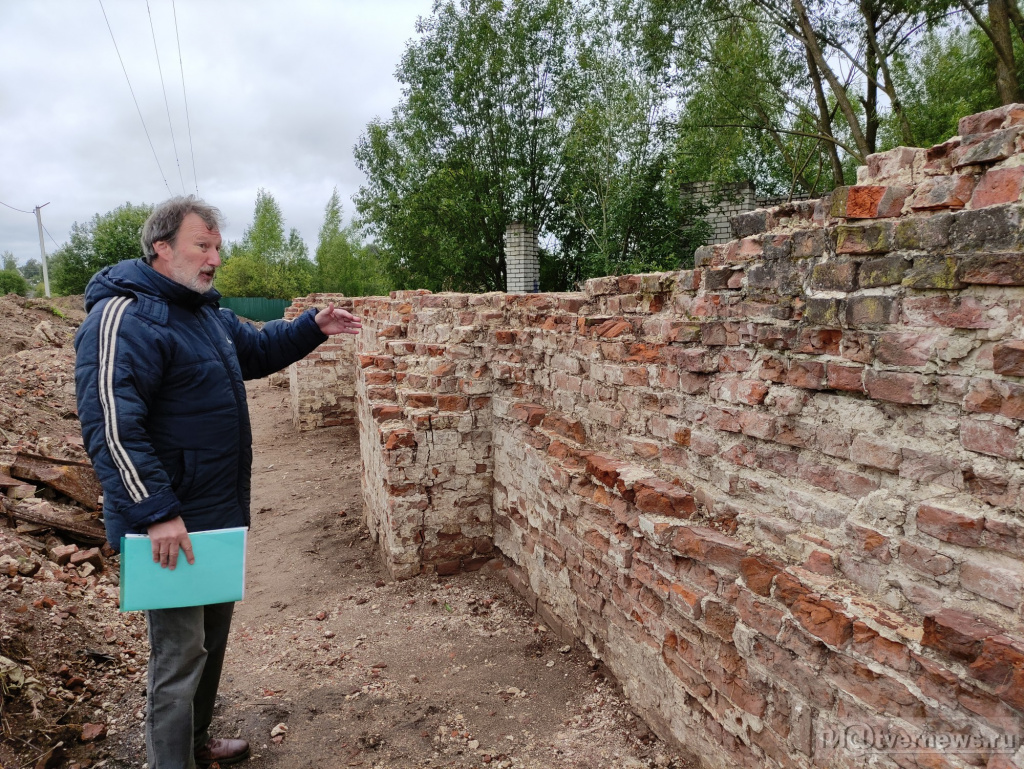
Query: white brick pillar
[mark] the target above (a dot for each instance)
(521, 263)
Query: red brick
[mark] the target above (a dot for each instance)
(758, 573)
(856, 485)
(749, 391)
(936, 681)
(940, 192)
(567, 428)
(378, 377)
(867, 450)
(820, 562)
(653, 495)
(988, 706)
(848, 378)
(685, 600)
(788, 667)
(397, 439)
(1001, 665)
(986, 148)
(925, 559)
(709, 547)
(950, 526)
(869, 542)
(868, 642)
(735, 360)
(867, 238)
(993, 270)
(61, 554)
(452, 403)
(956, 634)
(789, 590)
(948, 312)
(690, 678)
(906, 349)
(604, 468)
(883, 693)
(719, 619)
(895, 387)
(985, 122)
(1000, 585)
(988, 438)
(773, 369)
(596, 540)
(612, 329)
(807, 374)
(420, 400)
(818, 341)
(92, 556)
(873, 202)
(1008, 359)
(1004, 535)
(998, 185)
(824, 619)
(834, 276)
(759, 615)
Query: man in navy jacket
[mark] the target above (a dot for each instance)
(161, 396)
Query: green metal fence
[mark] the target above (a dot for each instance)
(256, 308)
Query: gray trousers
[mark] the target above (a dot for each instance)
(186, 655)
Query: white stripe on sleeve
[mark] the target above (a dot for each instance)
(110, 323)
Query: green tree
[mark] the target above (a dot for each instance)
(621, 206)
(105, 240)
(264, 263)
(476, 142)
(11, 279)
(948, 76)
(343, 263)
(32, 271)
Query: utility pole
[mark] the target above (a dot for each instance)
(42, 250)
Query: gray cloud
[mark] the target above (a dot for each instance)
(278, 94)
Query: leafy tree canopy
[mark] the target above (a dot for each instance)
(12, 282)
(344, 263)
(106, 239)
(531, 111)
(11, 279)
(265, 263)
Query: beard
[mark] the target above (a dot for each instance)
(200, 282)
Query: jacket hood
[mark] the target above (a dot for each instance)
(138, 280)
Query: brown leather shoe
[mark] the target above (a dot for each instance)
(222, 751)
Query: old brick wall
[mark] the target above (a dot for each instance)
(322, 385)
(779, 494)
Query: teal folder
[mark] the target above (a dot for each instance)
(217, 576)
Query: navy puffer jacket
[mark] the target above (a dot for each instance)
(161, 398)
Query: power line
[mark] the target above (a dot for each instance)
(123, 69)
(16, 209)
(160, 69)
(51, 238)
(185, 96)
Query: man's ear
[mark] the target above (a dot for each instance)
(162, 248)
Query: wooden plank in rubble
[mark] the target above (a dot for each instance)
(83, 526)
(73, 479)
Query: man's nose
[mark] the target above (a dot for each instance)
(214, 259)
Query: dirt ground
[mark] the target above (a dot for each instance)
(330, 663)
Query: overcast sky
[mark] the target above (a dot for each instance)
(278, 93)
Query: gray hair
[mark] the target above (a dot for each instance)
(166, 219)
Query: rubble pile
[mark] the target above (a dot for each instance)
(71, 666)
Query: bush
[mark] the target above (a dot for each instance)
(11, 282)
